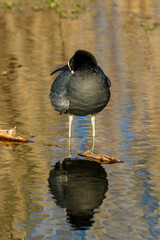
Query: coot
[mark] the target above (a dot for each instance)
(81, 88)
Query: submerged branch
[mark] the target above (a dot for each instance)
(11, 135)
(99, 158)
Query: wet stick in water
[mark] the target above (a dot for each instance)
(99, 158)
(11, 135)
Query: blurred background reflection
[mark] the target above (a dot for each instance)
(36, 37)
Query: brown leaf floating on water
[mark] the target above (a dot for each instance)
(99, 158)
(11, 135)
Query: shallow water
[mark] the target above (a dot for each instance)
(41, 199)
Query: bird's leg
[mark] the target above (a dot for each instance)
(69, 147)
(70, 134)
(70, 125)
(93, 132)
(93, 125)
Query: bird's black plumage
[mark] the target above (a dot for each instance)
(81, 88)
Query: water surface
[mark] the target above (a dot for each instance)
(41, 199)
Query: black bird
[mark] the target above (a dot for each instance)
(81, 89)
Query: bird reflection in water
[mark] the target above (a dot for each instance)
(80, 187)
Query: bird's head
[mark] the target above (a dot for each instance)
(81, 59)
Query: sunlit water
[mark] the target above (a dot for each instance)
(43, 199)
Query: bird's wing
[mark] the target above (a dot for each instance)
(58, 94)
(107, 80)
